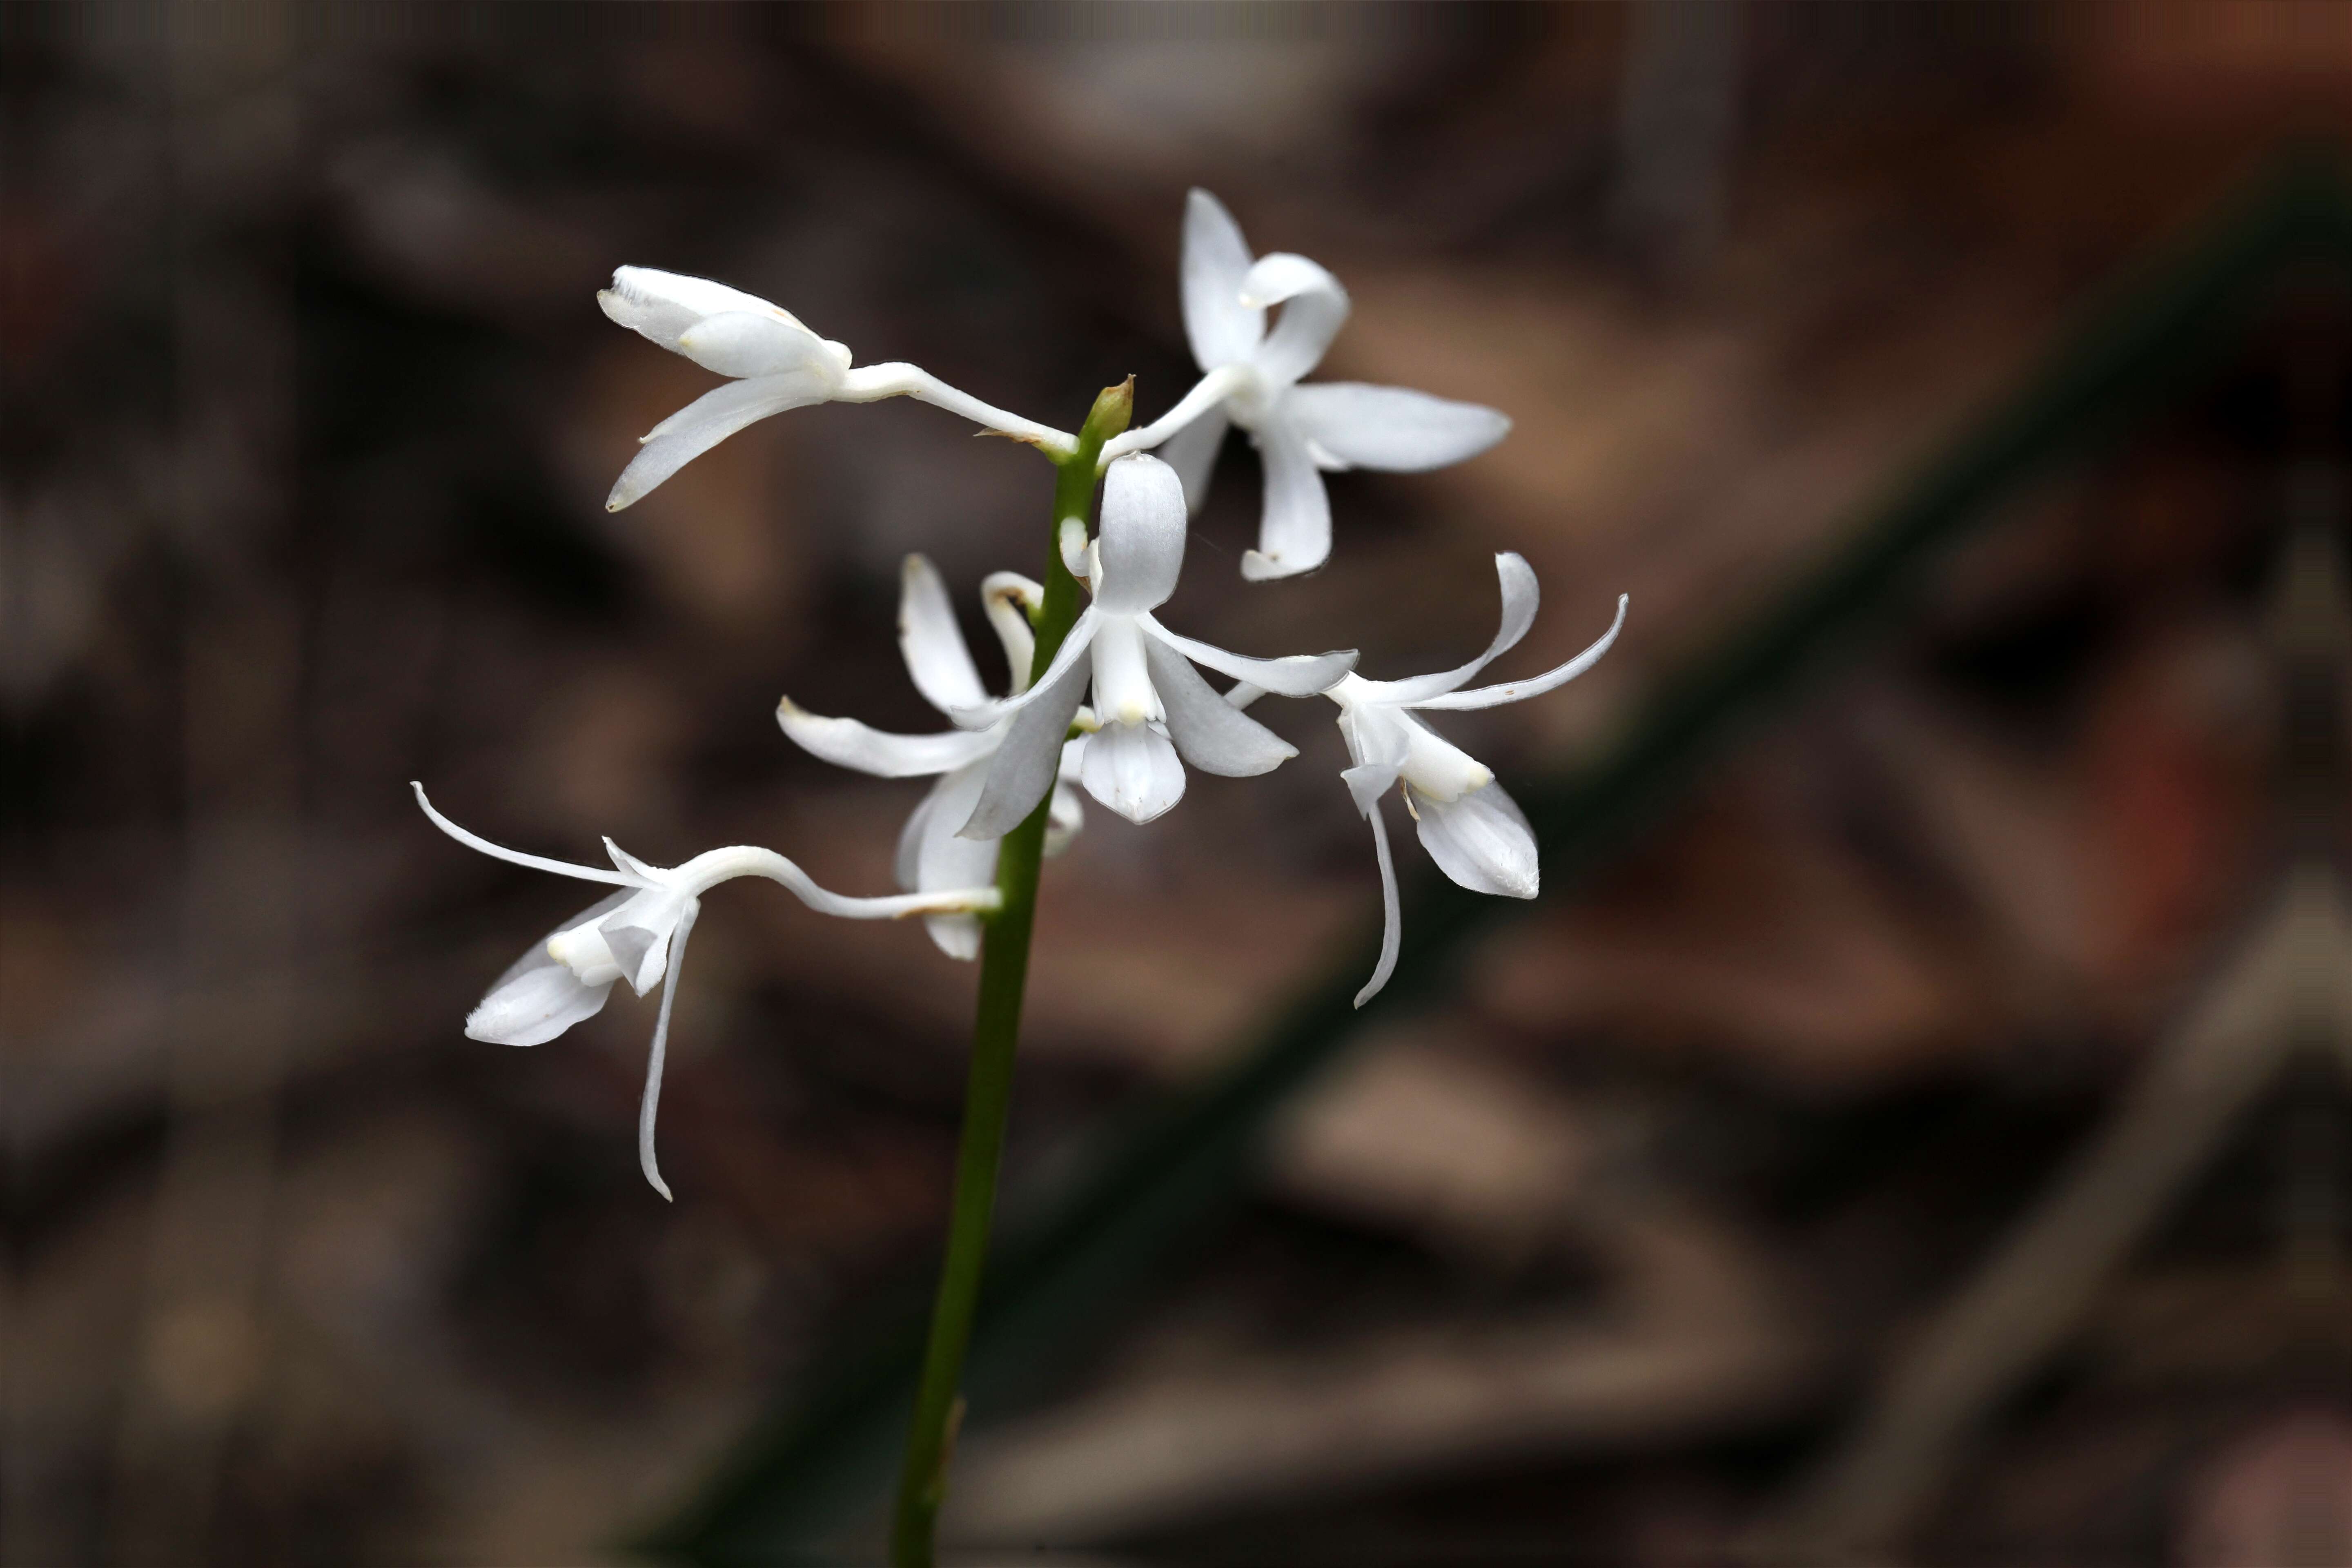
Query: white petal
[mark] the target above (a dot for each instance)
(1516, 690)
(931, 642)
(1008, 598)
(722, 404)
(1142, 535)
(539, 996)
(1027, 764)
(1392, 426)
(1314, 307)
(1376, 736)
(662, 306)
(1294, 535)
(535, 1006)
(847, 743)
(1066, 817)
(1367, 781)
(654, 1059)
(1392, 916)
(944, 860)
(638, 935)
(1295, 675)
(748, 343)
(1482, 841)
(906, 863)
(1123, 693)
(516, 856)
(1192, 453)
(1070, 656)
(703, 423)
(1221, 329)
(958, 936)
(1520, 595)
(1133, 770)
(1211, 734)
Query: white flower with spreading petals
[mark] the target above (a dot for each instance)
(1472, 830)
(931, 857)
(1152, 705)
(638, 934)
(1251, 380)
(774, 364)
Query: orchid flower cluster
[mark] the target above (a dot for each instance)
(1121, 708)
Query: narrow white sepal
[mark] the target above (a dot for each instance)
(845, 742)
(1367, 781)
(931, 643)
(1391, 913)
(515, 857)
(1391, 427)
(1521, 596)
(1295, 529)
(1029, 759)
(1293, 675)
(1074, 648)
(651, 1102)
(1210, 733)
(1533, 686)
(1216, 260)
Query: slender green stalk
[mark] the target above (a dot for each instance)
(995, 1032)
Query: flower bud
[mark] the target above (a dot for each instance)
(1114, 406)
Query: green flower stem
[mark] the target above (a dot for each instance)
(995, 1032)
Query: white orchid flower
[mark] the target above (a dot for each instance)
(638, 934)
(774, 364)
(1252, 379)
(1471, 827)
(931, 857)
(1152, 705)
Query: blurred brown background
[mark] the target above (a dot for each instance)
(1609, 1257)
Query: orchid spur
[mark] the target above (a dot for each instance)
(774, 364)
(639, 934)
(1151, 707)
(1473, 830)
(931, 857)
(1251, 379)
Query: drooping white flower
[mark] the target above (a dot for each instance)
(774, 364)
(1252, 379)
(1473, 830)
(932, 855)
(1152, 706)
(638, 934)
